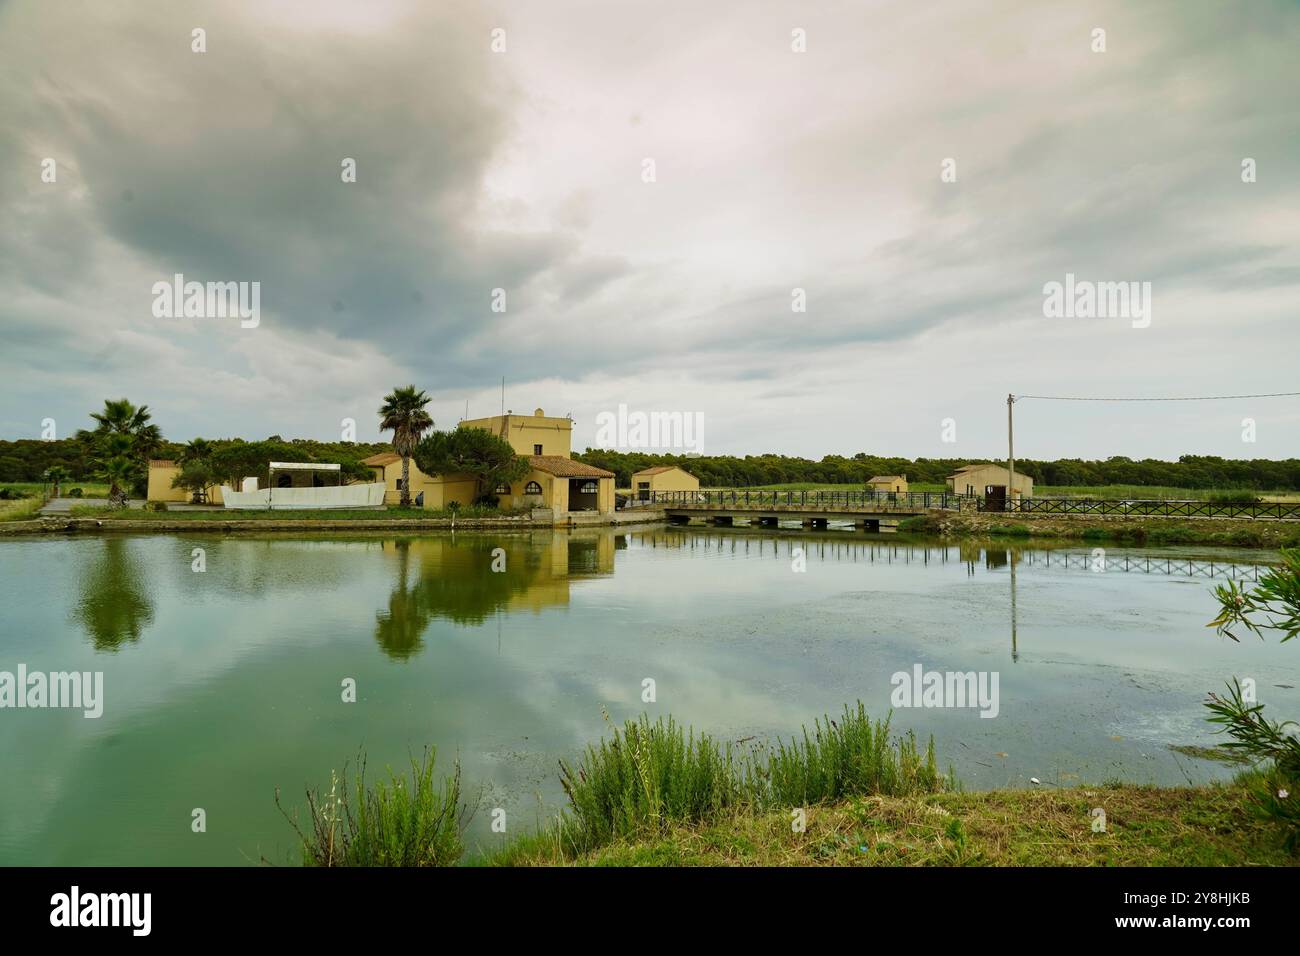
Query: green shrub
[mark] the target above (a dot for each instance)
(648, 775)
(155, 506)
(402, 822)
(1237, 497)
(1275, 784)
(644, 777)
(1011, 530)
(839, 758)
(1270, 604)
(74, 492)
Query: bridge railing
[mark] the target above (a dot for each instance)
(829, 500)
(1144, 508)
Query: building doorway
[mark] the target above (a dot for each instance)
(584, 494)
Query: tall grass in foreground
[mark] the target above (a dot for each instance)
(645, 776)
(848, 757)
(401, 822)
(649, 775)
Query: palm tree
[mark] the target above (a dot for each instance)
(56, 475)
(120, 416)
(123, 440)
(403, 414)
(115, 464)
(195, 450)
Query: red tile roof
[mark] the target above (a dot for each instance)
(562, 467)
(381, 459)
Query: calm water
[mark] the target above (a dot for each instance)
(223, 685)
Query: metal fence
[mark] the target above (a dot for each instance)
(828, 500)
(1153, 508)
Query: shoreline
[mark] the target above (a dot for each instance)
(76, 525)
(1207, 825)
(1131, 532)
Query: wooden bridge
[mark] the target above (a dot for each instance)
(872, 510)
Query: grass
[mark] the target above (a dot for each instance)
(221, 514)
(404, 821)
(20, 509)
(90, 489)
(840, 758)
(644, 776)
(1145, 826)
(845, 793)
(649, 777)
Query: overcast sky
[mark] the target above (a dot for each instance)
(774, 170)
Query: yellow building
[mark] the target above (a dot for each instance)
(438, 490)
(536, 434)
(648, 481)
(161, 473)
(979, 479)
(894, 483)
(554, 479)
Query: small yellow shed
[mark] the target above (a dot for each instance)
(893, 483)
(648, 481)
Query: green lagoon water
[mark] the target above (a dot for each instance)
(223, 685)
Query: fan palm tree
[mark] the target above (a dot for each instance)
(195, 450)
(123, 441)
(403, 414)
(115, 463)
(56, 475)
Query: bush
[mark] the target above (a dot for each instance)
(644, 778)
(852, 756)
(1272, 604)
(74, 493)
(649, 775)
(155, 506)
(401, 822)
(1239, 497)
(1274, 746)
(1011, 530)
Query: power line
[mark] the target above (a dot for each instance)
(1181, 398)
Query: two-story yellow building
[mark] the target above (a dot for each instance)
(554, 479)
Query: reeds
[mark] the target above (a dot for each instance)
(643, 777)
(398, 822)
(649, 775)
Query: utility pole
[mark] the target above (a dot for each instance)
(1011, 452)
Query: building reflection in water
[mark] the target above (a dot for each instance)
(469, 578)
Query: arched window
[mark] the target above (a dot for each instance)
(532, 488)
(502, 489)
(588, 488)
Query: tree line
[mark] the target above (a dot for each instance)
(123, 439)
(728, 471)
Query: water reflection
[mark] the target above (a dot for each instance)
(113, 606)
(467, 579)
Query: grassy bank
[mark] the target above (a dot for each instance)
(844, 792)
(1135, 532)
(1145, 826)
